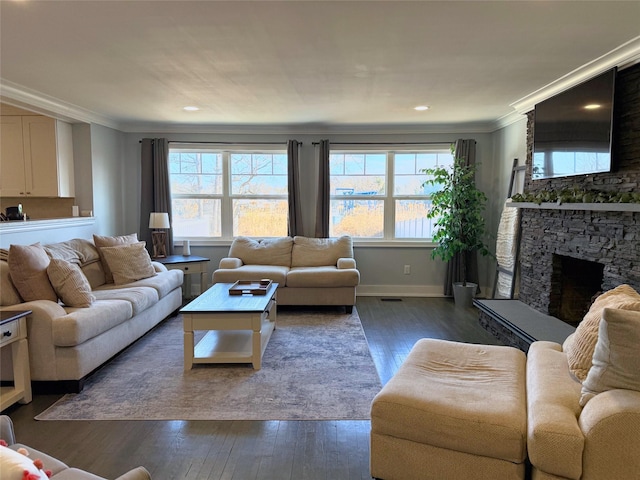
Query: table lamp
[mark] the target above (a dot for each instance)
(159, 223)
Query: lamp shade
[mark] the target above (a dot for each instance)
(159, 220)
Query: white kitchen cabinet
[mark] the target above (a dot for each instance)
(36, 157)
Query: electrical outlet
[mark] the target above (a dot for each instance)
(407, 269)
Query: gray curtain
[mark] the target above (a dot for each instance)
(293, 167)
(155, 192)
(324, 190)
(465, 149)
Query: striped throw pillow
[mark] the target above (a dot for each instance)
(69, 283)
(129, 262)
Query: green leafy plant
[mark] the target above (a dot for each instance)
(458, 207)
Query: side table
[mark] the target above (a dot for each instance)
(190, 265)
(13, 333)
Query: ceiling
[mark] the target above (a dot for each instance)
(311, 64)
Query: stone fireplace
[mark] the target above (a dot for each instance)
(570, 253)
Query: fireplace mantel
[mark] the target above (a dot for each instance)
(596, 207)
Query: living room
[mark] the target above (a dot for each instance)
(106, 144)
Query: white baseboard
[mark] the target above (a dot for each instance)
(399, 290)
(403, 290)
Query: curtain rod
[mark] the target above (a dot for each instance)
(384, 143)
(229, 143)
(234, 143)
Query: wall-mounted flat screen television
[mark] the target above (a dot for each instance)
(572, 130)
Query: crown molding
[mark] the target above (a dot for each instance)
(37, 102)
(623, 56)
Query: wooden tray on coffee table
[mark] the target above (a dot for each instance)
(250, 287)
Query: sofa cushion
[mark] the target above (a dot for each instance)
(317, 252)
(326, 276)
(82, 324)
(580, 346)
(276, 273)
(94, 272)
(101, 242)
(269, 251)
(457, 396)
(28, 270)
(163, 283)
(616, 359)
(140, 297)
(69, 283)
(128, 263)
(78, 251)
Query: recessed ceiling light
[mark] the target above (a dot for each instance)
(191, 109)
(421, 108)
(592, 106)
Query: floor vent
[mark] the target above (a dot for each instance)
(391, 299)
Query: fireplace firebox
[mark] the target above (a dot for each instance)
(574, 284)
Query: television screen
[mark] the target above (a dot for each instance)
(572, 130)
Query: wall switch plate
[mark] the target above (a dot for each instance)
(407, 269)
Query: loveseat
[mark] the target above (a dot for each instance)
(89, 300)
(570, 411)
(309, 271)
(13, 464)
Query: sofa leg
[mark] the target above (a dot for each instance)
(348, 308)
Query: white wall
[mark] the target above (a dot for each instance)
(110, 172)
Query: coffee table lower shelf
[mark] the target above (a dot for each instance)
(234, 346)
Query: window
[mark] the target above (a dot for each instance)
(380, 194)
(220, 193)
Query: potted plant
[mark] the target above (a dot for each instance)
(457, 206)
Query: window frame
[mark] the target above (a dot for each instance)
(226, 197)
(389, 199)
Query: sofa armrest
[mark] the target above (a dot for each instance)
(610, 422)
(42, 358)
(555, 443)
(346, 263)
(230, 262)
(139, 473)
(159, 267)
(6, 430)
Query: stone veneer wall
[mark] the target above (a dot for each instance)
(610, 238)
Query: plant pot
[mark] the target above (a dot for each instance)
(463, 294)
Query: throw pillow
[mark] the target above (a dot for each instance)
(70, 283)
(17, 466)
(28, 271)
(100, 242)
(616, 363)
(580, 348)
(129, 263)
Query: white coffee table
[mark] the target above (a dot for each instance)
(239, 326)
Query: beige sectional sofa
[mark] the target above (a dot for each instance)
(309, 271)
(83, 311)
(570, 411)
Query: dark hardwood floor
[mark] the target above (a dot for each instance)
(243, 450)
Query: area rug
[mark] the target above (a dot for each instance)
(317, 366)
